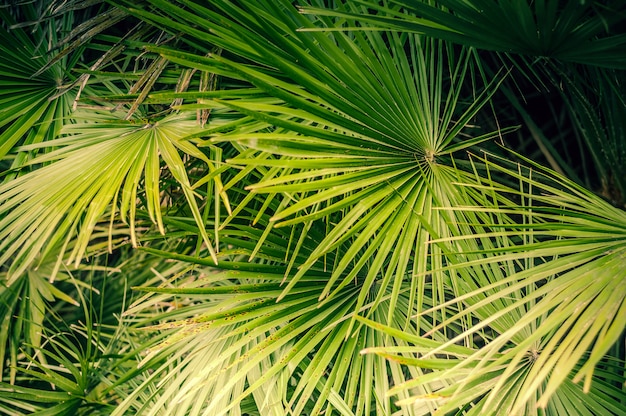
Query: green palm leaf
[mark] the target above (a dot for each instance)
(250, 343)
(369, 108)
(564, 291)
(77, 195)
(582, 32)
(30, 109)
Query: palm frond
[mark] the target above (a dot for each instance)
(555, 315)
(367, 112)
(581, 32)
(247, 343)
(28, 115)
(77, 195)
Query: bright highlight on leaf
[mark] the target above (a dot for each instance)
(95, 170)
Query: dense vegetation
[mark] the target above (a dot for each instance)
(348, 207)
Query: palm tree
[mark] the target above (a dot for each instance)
(341, 207)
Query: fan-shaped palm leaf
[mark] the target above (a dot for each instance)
(554, 306)
(364, 124)
(30, 109)
(45, 208)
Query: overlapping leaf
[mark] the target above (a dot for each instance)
(583, 32)
(30, 109)
(231, 339)
(554, 314)
(364, 123)
(46, 208)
